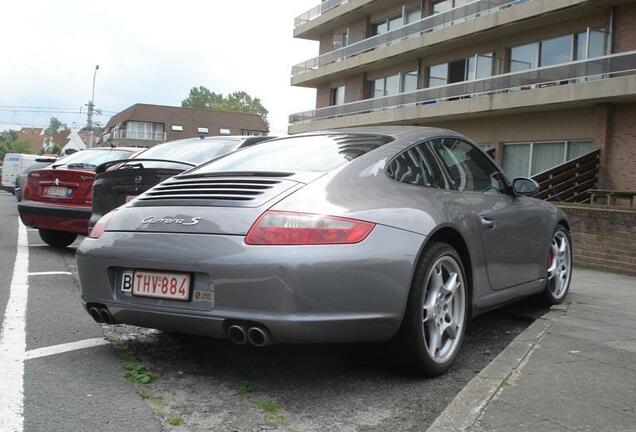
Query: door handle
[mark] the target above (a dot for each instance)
(487, 222)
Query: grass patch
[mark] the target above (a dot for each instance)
(175, 421)
(136, 372)
(272, 412)
(244, 389)
(269, 406)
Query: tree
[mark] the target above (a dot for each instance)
(202, 98)
(54, 125)
(15, 146)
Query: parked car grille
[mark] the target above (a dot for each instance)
(190, 190)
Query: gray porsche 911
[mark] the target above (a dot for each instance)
(378, 234)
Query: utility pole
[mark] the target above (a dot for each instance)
(91, 106)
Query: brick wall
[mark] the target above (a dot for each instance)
(604, 239)
(621, 149)
(625, 27)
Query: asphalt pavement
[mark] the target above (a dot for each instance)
(74, 378)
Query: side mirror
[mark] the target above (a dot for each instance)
(525, 186)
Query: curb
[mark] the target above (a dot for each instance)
(465, 409)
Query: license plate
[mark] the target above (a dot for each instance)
(173, 286)
(57, 192)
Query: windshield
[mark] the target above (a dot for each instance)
(318, 153)
(87, 159)
(194, 151)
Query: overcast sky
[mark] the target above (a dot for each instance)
(148, 51)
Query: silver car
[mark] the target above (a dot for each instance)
(378, 234)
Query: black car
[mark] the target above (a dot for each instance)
(117, 182)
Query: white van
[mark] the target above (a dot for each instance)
(13, 165)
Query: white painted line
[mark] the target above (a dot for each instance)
(62, 348)
(38, 245)
(13, 341)
(50, 273)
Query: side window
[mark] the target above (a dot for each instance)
(468, 168)
(416, 166)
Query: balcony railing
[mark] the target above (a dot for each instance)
(316, 11)
(566, 73)
(453, 16)
(139, 135)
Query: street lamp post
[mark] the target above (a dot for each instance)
(91, 106)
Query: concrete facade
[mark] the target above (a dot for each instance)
(600, 109)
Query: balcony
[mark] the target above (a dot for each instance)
(454, 16)
(316, 11)
(603, 78)
(138, 135)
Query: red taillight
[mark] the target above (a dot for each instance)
(100, 226)
(277, 228)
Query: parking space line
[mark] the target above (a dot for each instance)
(62, 348)
(46, 273)
(13, 340)
(38, 245)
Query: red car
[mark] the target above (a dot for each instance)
(58, 200)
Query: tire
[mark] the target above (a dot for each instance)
(58, 239)
(411, 342)
(555, 292)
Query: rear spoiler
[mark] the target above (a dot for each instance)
(103, 167)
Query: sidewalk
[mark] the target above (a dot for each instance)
(572, 370)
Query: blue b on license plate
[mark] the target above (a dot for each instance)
(174, 286)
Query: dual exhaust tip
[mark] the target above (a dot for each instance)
(101, 315)
(255, 335)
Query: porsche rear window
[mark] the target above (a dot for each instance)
(318, 153)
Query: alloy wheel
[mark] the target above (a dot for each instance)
(444, 309)
(560, 265)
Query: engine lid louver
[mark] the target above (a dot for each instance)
(205, 190)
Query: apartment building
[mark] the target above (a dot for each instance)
(540, 81)
(145, 125)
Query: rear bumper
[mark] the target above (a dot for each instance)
(336, 293)
(55, 217)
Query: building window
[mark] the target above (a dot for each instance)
(144, 131)
(386, 86)
(562, 49)
(251, 132)
(386, 25)
(224, 131)
(403, 82)
(202, 131)
(337, 96)
(531, 158)
(412, 15)
(340, 39)
(470, 68)
(410, 81)
(177, 128)
(556, 50)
